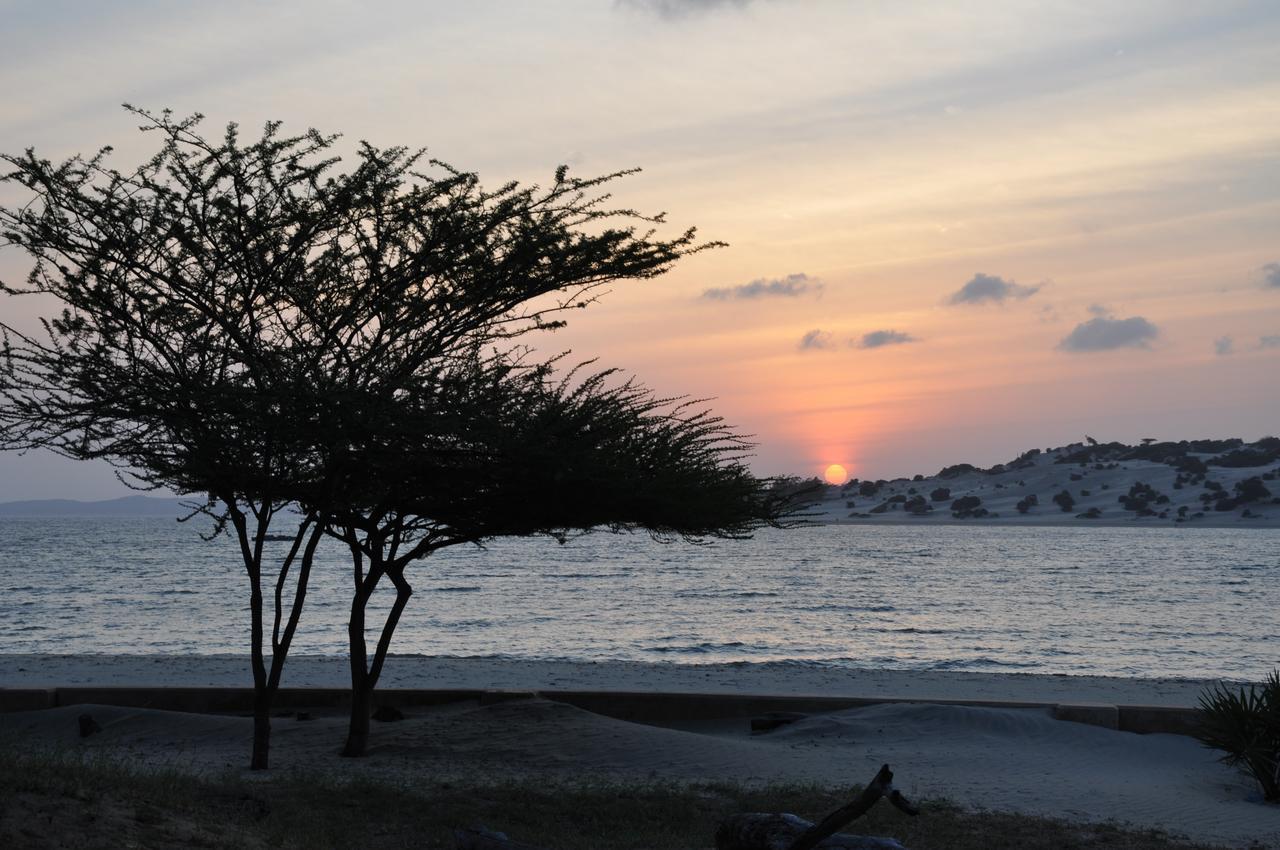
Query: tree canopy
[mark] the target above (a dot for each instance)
(250, 325)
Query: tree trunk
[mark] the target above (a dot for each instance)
(261, 729)
(358, 728)
(364, 676)
(262, 693)
(361, 692)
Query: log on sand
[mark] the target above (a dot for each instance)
(774, 831)
(483, 839)
(761, 830)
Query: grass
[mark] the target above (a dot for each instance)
(54, 799)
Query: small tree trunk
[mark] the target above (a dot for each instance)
(358, 728)
(361, 692)
(262, 692)
(261, 729)
(365, 679)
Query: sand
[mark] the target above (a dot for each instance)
(1018, 760)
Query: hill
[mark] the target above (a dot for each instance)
(126, 506)
(1192, 482)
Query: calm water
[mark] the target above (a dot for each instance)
(1136, 602)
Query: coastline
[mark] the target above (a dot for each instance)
(760, 678)
(1269, 522)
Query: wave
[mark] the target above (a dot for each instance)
(833, 606)
(707, 647)
(981, 661)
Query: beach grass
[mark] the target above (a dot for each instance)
(58, 799)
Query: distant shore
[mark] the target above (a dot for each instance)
(417, 671)
(832, 516)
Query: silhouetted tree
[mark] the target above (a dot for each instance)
(244, 324)
(521, 453)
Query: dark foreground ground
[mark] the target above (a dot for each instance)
(52, 800)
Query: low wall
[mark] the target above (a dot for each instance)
(637, 706)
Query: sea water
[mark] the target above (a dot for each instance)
(1140, 602)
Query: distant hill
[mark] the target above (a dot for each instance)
(126, 506)
(1195, 482)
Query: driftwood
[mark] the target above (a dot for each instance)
(769, 831)
(483, 839)
(761, 831)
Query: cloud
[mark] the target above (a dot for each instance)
(1271, 276)
(791, 286)
(681, 8)
(991, 289)
(879, 339)
(1224, 345)
(1269, 341)
(816, 340)
(1102, 333)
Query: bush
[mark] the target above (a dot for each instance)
(1027, 503)
(917, 505)
(1065, 501)
(968, 507)
(1251, 490)
(1141, 496)
(1246, 725)
(1245, 458)
(941, 494)
(1192, 465)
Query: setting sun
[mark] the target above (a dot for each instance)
(835, 474)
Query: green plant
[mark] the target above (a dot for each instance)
(1246, 725)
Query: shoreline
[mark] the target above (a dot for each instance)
(1261, 523)
(778, 678)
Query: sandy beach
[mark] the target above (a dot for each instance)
(419, 671)
(1020, 760)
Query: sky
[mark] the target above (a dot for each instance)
(955, 231)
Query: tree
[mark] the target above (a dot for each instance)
(245, 324)
(527, 452)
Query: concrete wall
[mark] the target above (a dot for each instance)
(637, 706)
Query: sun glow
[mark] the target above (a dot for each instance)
(835, 474)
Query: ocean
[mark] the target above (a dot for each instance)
(1141, 602)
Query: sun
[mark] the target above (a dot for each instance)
(835, 474)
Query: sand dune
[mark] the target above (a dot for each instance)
(1092, 486)
(1005, 759)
